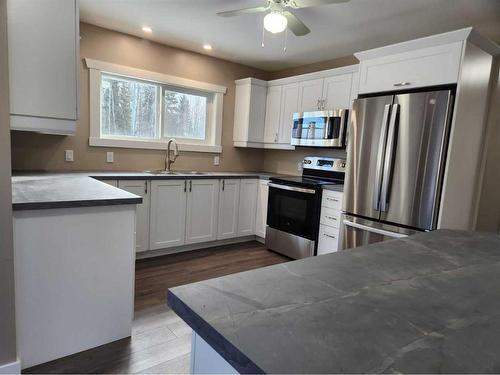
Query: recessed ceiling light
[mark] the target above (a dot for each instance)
(147, 29)
(208, 47)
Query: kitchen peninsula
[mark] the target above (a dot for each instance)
(428, 303)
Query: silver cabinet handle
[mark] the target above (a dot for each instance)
(145, 187)
(331, 218)
(223, 184)
(292, 188)
(389, 156)
(329, 235)
(404, 83)
(190, 186)
(380, 157)
(332, 199)
(318, 105)
(185, 185)
(374, 230)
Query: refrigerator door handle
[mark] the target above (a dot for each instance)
(374, 230)
(389, 157)
(380, 158)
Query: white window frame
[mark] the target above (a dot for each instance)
(213, 141)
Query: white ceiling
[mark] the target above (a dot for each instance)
(336, 30)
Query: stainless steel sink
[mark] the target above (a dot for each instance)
(162, 171)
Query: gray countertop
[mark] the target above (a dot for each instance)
(428, 303)
(43, 190)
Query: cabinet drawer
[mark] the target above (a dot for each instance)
(328, 240)
(419, 68)
(332, 199)
(330, 217)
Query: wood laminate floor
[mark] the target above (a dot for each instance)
(161, 341)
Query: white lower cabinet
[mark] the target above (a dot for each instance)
(329, 232)
(229, 200)
(168, 213)
(328, 239)
(261, 214)
(247, 207)
(202, 210)
(141, 188)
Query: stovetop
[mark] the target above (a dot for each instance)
(306, 181)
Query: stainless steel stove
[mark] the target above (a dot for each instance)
(294, 206)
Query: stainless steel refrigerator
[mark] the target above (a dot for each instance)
(396, 155)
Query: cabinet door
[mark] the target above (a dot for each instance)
(261, 216)
(337, 92)
(141, 188)
(248, 207)
(273, 111)
(229, 198)
(289, 105)
(202, 209)
(43, 55)
(168, 213)
(310, 93)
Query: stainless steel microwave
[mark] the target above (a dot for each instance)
(320, 128)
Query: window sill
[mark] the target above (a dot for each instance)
(152, 145)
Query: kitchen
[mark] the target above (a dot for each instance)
(283, 148)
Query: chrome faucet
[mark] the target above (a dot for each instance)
(168, 161)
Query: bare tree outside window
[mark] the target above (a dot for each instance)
(184, 115)
(128, 108)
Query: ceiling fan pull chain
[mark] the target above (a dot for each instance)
(263, 34)
(286, 37)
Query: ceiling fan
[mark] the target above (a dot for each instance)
(279, 17)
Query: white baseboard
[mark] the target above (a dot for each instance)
(11, 368)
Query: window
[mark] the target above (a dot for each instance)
(138, 109)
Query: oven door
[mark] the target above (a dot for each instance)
(293, 210)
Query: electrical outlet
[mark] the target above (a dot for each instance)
(110, 157)
(216, 160)
(299, 166)
(68, 155)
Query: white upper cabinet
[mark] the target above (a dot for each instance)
(337, 92)
(273, 112)
(249, 112)
(168, 213)
(431, 66)
(229, 199)
(43, 65)
(289, 105)
(310, 95)
(263, 116)
(247, 207)
(141, 188)
(202, 210)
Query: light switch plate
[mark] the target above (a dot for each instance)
(110, 157)
(68, 155)
(216, 160)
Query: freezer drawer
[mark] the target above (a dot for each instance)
(359, 232)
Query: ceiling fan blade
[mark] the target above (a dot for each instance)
(238, 12)
(315, 3)
(296, 25)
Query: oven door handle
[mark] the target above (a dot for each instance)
(292, 188)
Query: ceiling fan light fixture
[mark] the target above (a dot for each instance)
(275, 22)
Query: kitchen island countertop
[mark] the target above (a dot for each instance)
(427, 303)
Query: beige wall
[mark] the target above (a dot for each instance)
(315, 67)
(7, 312)
(36, 151)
